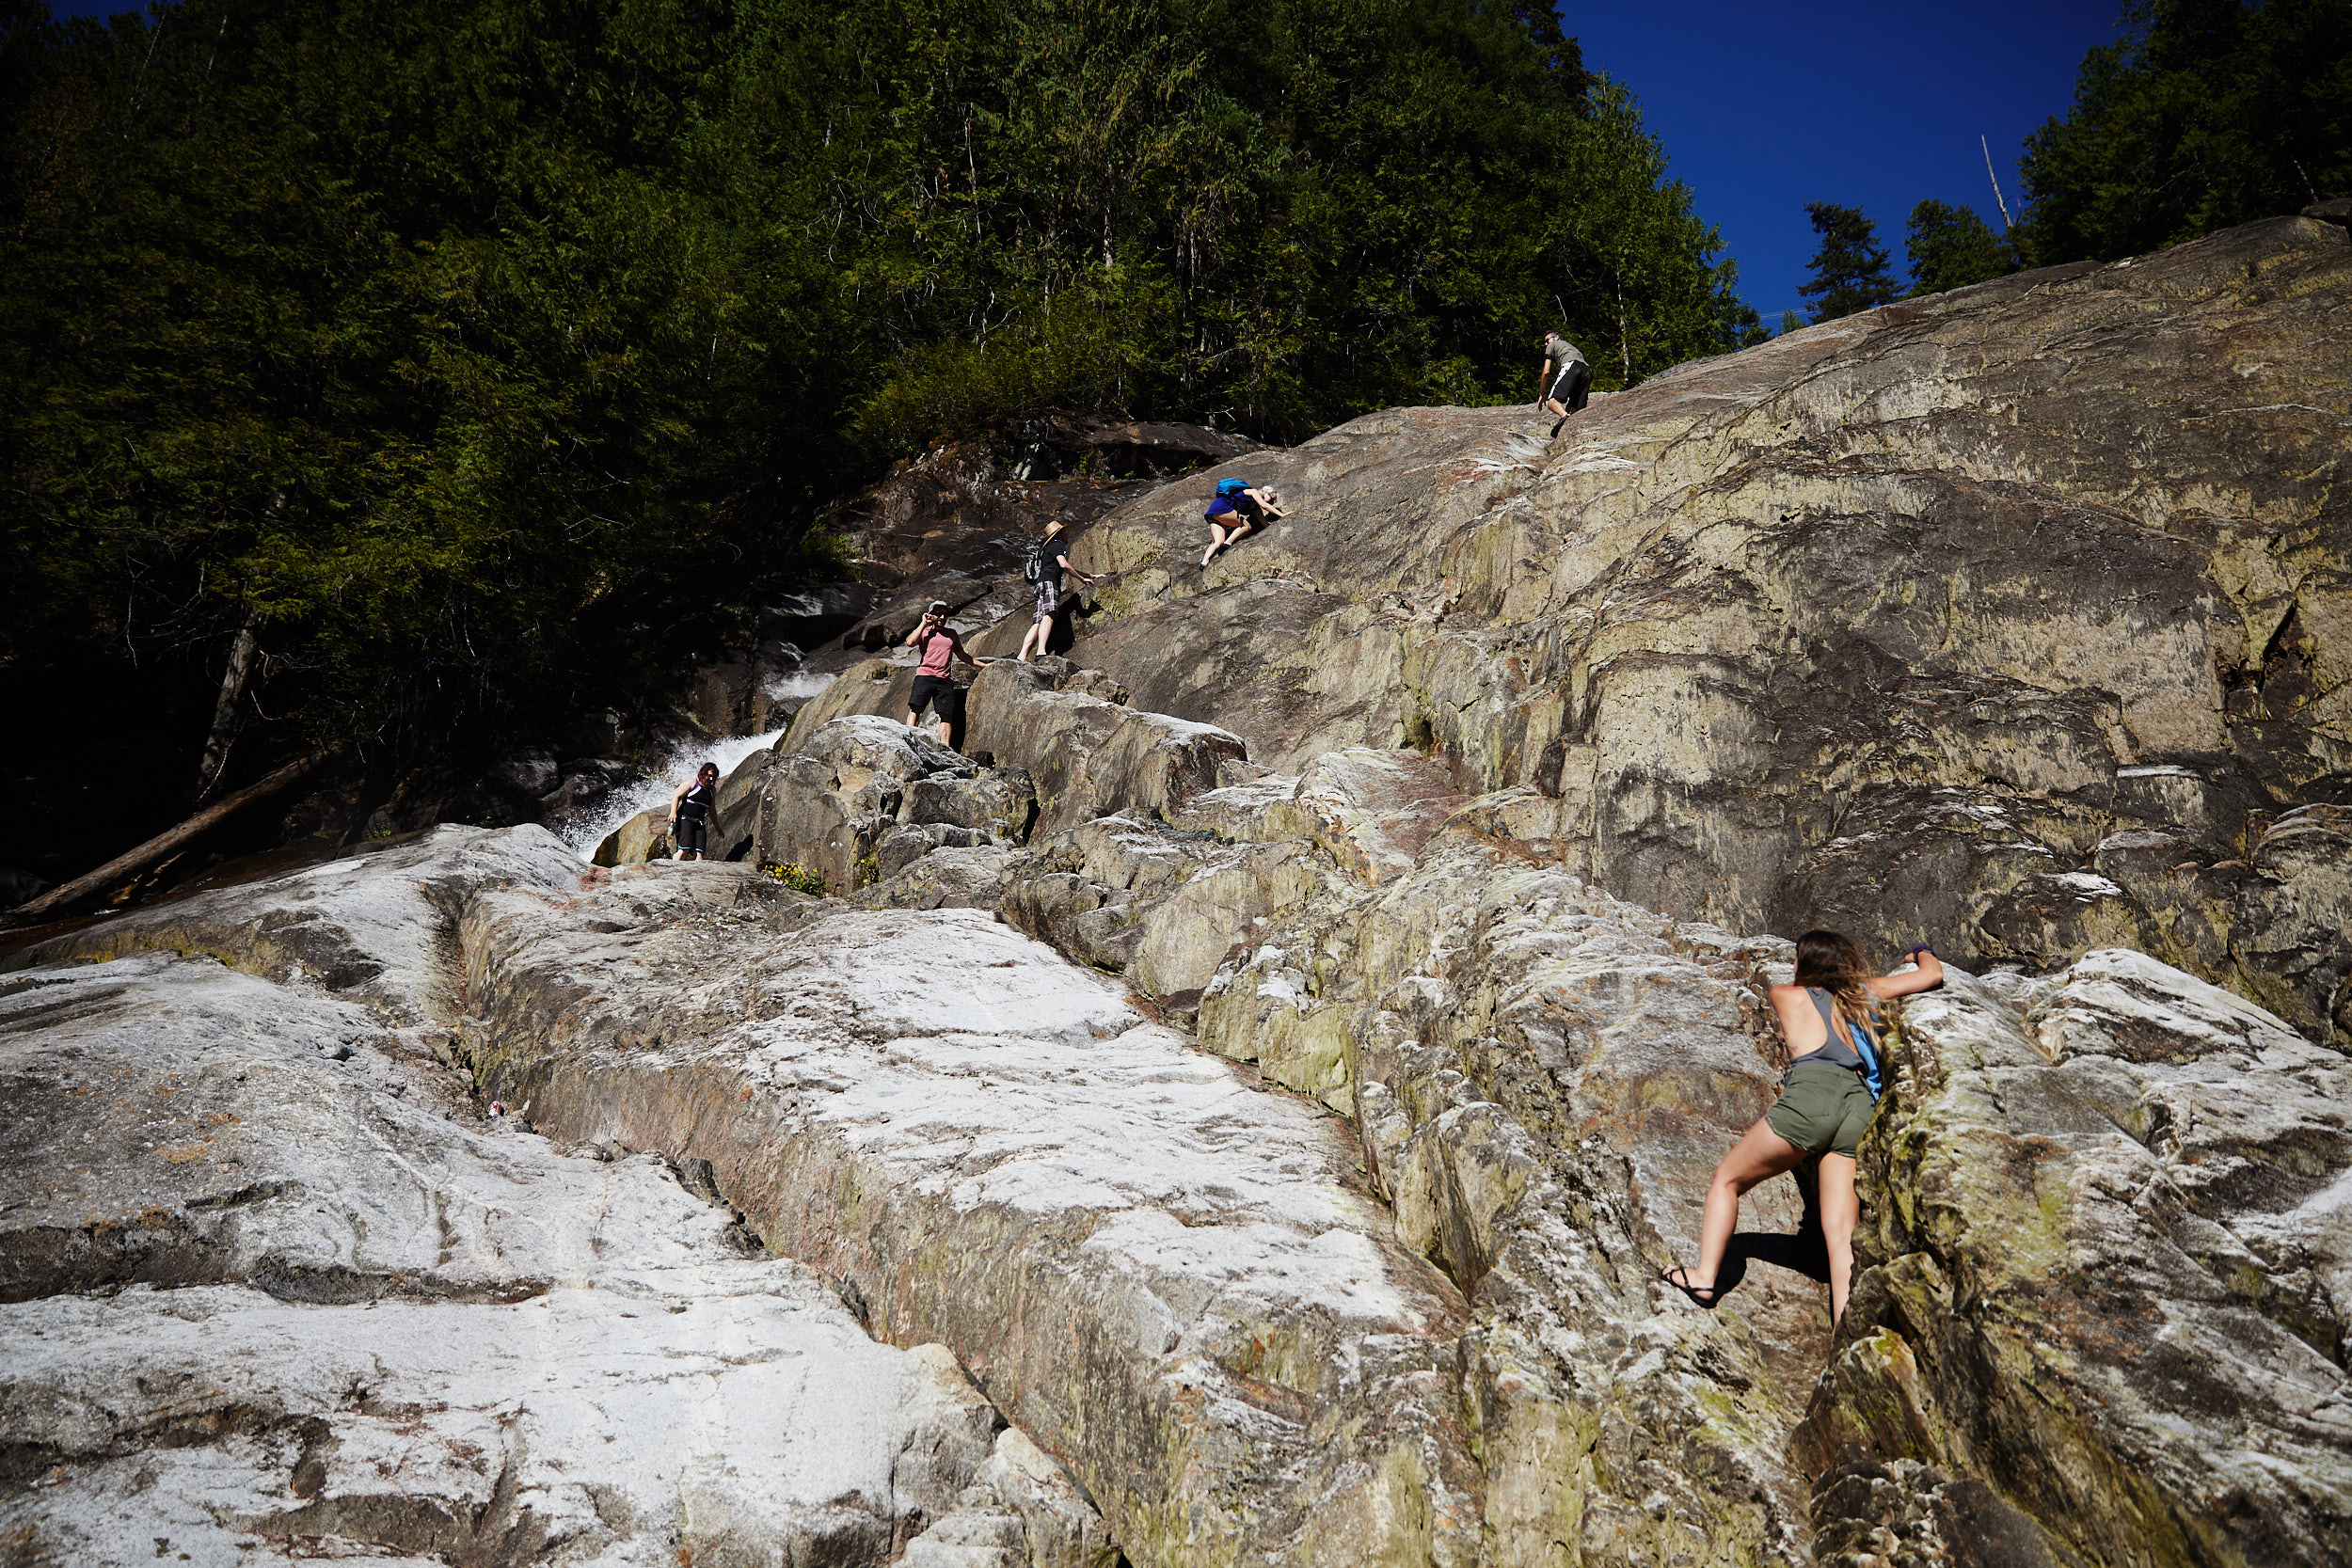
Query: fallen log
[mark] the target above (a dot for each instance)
(84, 889)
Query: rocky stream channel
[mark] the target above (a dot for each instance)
(1236, 1109)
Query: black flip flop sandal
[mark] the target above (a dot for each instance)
(1677, 1276)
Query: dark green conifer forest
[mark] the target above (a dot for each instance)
(2208, 113)
(457, 351)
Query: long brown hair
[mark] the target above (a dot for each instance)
(1830, 961)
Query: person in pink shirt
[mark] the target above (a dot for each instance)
(935, 685)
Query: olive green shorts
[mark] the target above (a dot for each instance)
(1824, 1109)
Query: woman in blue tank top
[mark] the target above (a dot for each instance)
(1833, 1017)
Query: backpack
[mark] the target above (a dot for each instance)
(1872, 1076)
(1231, 487)
(1039, 564)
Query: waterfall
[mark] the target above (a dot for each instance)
(590, 828)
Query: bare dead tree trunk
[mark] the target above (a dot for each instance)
(229, 712)
(87, 889)
(1625, 343)
(1997, 201)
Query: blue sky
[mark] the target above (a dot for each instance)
(1765, 106)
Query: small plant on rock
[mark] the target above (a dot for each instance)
(799, 877)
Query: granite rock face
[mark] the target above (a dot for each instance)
(2018, 617)
(1164, 1274)
(1234, 1108)
(270, 1287)
(2108, 1285)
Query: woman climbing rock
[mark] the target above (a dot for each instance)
(1237, 509)
(1833, 1017)
(690, 805)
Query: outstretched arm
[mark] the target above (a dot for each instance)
(1928, 975)
(676, 795)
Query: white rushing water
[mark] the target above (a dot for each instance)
(586, 832)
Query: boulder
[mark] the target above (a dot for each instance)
(2103, 1212)
(1163, 906)
(881, 686)
(901, 845)
(857, 798)
(1542, 1079)
(718, 697)
(1090, 757)
(824, 818)
(879, 745)
(643, 837)
(1371, 811)
(998, 801)
(980, 877)
(527, 774)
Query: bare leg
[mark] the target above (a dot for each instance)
(914, 719)
(1840, 1210)
(945, 730)
(1759, 1155)
(1216, 542)
(1036, 634)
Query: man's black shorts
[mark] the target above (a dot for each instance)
(1572, 386)
(942, 696)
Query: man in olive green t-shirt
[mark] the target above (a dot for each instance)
(1566, 379)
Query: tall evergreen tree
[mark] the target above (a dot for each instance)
(1851, 271)
(1950, 247)
(2208, 113)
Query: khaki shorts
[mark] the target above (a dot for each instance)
(1823, 1109)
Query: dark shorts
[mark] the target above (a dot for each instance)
(1823, 1109)
(1569, 388)
(1240, 512)
(940, 694)
(1048, 599)
(693, 833)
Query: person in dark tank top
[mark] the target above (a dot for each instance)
(1835, 1017)
(692, 804)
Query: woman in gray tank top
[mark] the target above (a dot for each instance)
(1834, 1018)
